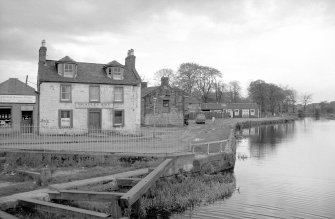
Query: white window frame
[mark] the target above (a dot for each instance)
(68, 70)
(67, 120)
(236, 112)
(116, 99)
(69, 92)
(252, 112)
(90, 93)
(122, 122)
(117, 73)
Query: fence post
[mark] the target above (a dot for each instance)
(208, 148)
(221, 146)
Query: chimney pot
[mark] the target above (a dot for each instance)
(43, 43)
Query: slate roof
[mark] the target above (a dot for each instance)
(114, 63)
(66, 59)
(192, 99)
(92, 73)
(213, 106)
(220, 106)
(242, 106)
(14, 86)
(148, 90)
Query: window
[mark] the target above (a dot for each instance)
(245, 113)
(5, 117)
(252, 112)
(94, 94)
(68, 70)
(118, 94)
(118, 118)
(165, 103)
(65, 119)
(236, 112)
(65, 93)
(117, 73)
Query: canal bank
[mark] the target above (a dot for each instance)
(202, 170)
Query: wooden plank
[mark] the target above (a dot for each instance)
(5, 215)
(141, 188)
(127, 181)
(60, 209)
(76, 195)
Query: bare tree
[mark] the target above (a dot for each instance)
(187, 76)
(219, 90)
(206, 79)
(306, 99)
(234, 91)
(164, 72)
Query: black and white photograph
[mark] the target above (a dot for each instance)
(167, 109)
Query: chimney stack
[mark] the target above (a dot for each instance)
(130, 60)
(164, 81)
(42, 53)
(144, 84)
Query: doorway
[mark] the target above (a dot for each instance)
(26, 121)
(94, 119)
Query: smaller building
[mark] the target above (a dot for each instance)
(243, 110)
(162, 105)
(233, 110)
(18, 108)
(193, 104)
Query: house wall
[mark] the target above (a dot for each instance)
(16, 115)
(239, 115)
(50, 104)
(172, 115)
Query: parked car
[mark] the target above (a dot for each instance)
(200, 118)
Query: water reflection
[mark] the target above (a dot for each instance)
(289, 173)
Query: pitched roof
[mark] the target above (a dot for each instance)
(86, 73)
(66, 59)
(242, 106)
(213, 106)
(220, 106)
(148, 90)
(14, 86)
(192, 99)
(114, 63)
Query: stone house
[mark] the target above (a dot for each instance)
(18, 106)
(79, 96)
(162, 105)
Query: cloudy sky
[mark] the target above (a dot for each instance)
(291, 43)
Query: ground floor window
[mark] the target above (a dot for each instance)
(118, 118)
(236, 112)
(252, 112)
(65, 119)
(165, 103)
(5, 117)
(245, 113)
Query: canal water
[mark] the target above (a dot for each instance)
(289, 172)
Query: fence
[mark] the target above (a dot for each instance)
(144, 140)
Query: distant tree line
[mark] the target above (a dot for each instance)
(207, 85)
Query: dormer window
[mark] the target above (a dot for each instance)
(117, 75)
(114, 70)
(68, 70)
(67, 67)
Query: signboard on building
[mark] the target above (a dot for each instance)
(27, 108)
(17, 99)
(87, 105)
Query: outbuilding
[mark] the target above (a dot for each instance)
(18, 108)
